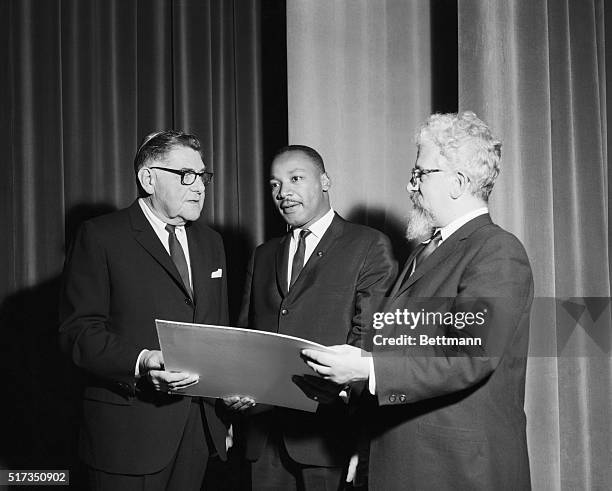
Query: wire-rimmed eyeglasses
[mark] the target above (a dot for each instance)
(417, 173)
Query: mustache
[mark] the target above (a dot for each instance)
(416, 201)
(287, 202)
(420, 220)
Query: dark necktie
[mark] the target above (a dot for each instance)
(178, 256)
(298, 258)
(430, 246)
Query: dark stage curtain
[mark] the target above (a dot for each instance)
(82, 83)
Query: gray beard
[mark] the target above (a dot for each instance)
(420, 222)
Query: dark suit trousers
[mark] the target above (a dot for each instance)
(276, 470)
(183, 473)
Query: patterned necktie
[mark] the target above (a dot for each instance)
(298, 258)
(430, 246)
(178, 256)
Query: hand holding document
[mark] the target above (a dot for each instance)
(316, 388)
(151, 365)
(342, 364)
(238, 403)
(234, 361)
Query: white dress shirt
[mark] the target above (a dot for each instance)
(160, 230)
(317, 229)
(456, 224)
(445, 232)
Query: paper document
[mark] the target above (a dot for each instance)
(236, 361)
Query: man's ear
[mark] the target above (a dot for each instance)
(460, 185)
(325, 182)
(146, 180)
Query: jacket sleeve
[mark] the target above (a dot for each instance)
(85, 329)
(376, 277)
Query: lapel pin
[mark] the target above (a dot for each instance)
(320, 253)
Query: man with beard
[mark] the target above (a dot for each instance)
(449, 404)
(321, 282)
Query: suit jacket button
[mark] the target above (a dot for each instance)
(320, 253)
(402, 398)
(392, 398)
(284, 312)
(188, 301)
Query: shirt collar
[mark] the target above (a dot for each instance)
(319, 227)
(456, 224)
(154, 220)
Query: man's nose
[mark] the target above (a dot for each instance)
(198, 185)
(412, 186)
(283, 191)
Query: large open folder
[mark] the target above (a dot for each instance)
(236, 361)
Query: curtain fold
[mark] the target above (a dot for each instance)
(35, 134)
(535, 70)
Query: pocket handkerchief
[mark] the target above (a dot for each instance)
(217, 274)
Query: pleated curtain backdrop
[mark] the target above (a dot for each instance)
(536, 70)
(88, 79)
(82, 82)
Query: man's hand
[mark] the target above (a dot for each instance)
(345, 365)
(152, 366)
(352, 468)
(317, 389)
(238, 403)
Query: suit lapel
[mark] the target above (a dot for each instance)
(148, 239)
(319, 255)
(439, 255)
(406, 270)
(281, 259)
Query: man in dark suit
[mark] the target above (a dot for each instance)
(318, 282)
(449, 404)
(124, 270)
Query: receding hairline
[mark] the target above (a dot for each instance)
(156, 146)
(309, 153)
(306, 165)
(163, 157)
